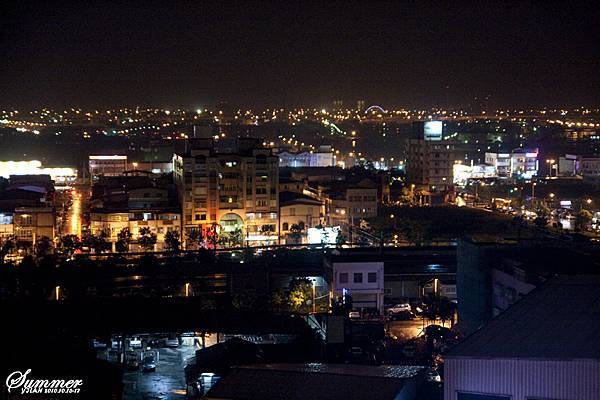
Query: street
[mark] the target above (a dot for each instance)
(406, 330)
(73, 222)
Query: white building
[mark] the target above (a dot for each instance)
(321, 158)
(362, 280)
(543, 347)
(501, 162)
(114, 165)
(520, 163)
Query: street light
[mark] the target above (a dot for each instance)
(551, 195)
(314, 293)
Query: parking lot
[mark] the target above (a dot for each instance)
(166, 382)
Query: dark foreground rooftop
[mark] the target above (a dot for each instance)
(558, 320)
(317, 381)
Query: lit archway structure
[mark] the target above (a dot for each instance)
(375, 107)
(231, 222)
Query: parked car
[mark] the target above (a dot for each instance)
(432, 375)
(402, 316)
(172, 342)
(149, 364)
(439, 333)
(398, 308)
(354, 314)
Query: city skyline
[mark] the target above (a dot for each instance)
(264, 55)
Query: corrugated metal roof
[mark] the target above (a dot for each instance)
(313, 381)
(558, 320)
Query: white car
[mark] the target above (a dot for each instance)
(399, 308)
(354, 315)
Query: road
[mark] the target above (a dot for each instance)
(73, 223)
(406, 330)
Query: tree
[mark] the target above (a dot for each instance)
(96, 242)
(43, 246)
(300, 297)
(146, 239)
(195, 238)
(340, 239)
(417, 232)
(70, 243)
(123, 239)
(582, 220)
(172, 241)
(296, 232)
(9, 243)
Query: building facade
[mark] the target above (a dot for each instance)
(104, 165)
(232, 190)
(362, 281)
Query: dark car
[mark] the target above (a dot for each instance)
(149, 364)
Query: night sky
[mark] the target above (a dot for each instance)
(195, 54)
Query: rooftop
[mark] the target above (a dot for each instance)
(313, 381)
(558, 320)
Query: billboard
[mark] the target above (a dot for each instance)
(432, 130)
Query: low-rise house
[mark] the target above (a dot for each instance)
(299, 211)
(135, 202)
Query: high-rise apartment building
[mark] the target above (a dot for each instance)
(233, 188)
(431, 159)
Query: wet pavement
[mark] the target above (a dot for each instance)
(167, 382)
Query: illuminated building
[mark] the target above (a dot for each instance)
(323, 157)
(300, 210)
(27, 208)
(361, 279)
(234, 188)
(360, 105)
(348, 203)
(107, 165)
(134, 202)
(60, 175)
(430, 159)
(462, 173)
(519, 164)
(501, 162)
